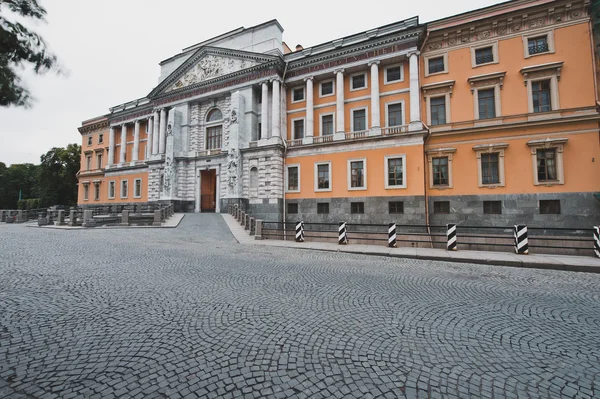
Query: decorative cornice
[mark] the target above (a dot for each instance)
(553, 67)
(547, 143)
(446, 86)
(93, 127)
(490, 147)
(491, 78)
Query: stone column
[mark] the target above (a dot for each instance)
(123, 143)
(339, 109)
(276, 116)
(155, 138)
(111, 147)
(149, 138)
(136, 142)
(264, 111)
(415, 109)
(163, 131)
(310, 111)
(375, 104)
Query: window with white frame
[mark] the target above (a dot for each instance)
(214, 129)
(326, 124)
(88, 162)
(395, 116)
(437, 110)
(357, 174)
(393, 74)
(323, 176)
(484, 54)
(359, 119)
(298, 94)
(486, 94)
(486, 102)
(540, 96)
(358, 81)
(490, 164)
(326, 88)
(100, 138)
(96, 191)
(436, 64)
(437, 102)
(542, 86)
(538, 43)
(292, 178)
(547, 160)
(440, 167)
(395, 166)
(111, 189)
(298, 129)
(137, 188)
(89, 140)
(99, 160)
(86, 191)
(124, 188)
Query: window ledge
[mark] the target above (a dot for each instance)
(357, 188)
(395, 187)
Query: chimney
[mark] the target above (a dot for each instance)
(299, 47)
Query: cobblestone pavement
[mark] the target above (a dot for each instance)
(188, 312)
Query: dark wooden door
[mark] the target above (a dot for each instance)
(208, 190)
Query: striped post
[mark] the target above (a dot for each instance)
(392, 235)
(521, 242)
(342, 234)
(451, 237)
(597, 240)
(300, 231)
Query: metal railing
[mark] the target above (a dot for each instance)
(538, 48)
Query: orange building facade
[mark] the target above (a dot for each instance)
(488, 117)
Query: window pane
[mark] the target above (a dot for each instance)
(322, 207)
(327, 88)
(492, 207)
(540, 93)
(357, 178)
(438, 110)
(323, 176)
(393, 74)
(299, 129)
(359, 120)
(293, 178)
(214, 115)
(298, 94)
(395, 207)
(490, 168)
(441, 207)
(549, 207)
(484, 55)
(436, 64)
(546, 164)
(538, 45)
(357, 207)
(394, 114)
(358, 81)
(440, 171)
(292, 208)
(327, 128)
(487, 103)
(213, 137)
(395, 172)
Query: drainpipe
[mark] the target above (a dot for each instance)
(283, 163)
(426, 174)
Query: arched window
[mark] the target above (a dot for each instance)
(214, 129)
(214, 115)
(253, 178)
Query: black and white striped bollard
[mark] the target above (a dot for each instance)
(299, 231)
(392, 235)
(451, 237)
(597, 241)
(342, 234)
(521, 242)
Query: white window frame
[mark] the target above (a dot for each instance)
(96, 191)
(401, 102)
(86, 191)
(101, 135)
(90, 140)
(554, 100)
(353, 110)
(428, 57)
(497, 148)
(439, 153)
(549, 38)
(316, 177)
(99, 160)
(349, 173)
(385, 79)
(287, 168)
(366, 86)
(321, 95)
(428, 104)
(493, 45)
(550, 143)
(303, 94)
(497, 101)
(294, 127)
(216, 123)
(126, 181)
(134, 186)
(114, 186)
(386, 171)
(321, 122)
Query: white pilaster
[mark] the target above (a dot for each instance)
(339, 109)
(156, 132)
(310, 111)
(136, 142)
(276, 113)
(415, 109)
(375, 104)
(150, 137)
(123, 143)
(264, 111)
(163, 131)
(111, 147)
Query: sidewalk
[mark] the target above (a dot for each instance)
(537, 261)
(170, 223)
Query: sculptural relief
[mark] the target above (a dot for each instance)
(210, 67)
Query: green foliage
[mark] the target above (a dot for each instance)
(31, 203)
(18, 47)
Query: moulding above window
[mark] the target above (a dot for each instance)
(538, 71)
(488, 79)
(85, 182)
(492, 147)
(439, 87)
(98, 150)
(441, 151)
(87, 152)
(547, 143)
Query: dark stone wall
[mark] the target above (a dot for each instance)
(267, 210)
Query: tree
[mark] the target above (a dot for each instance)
(17, 180)
(57, 179)
(19, 46)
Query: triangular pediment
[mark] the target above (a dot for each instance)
(211, 64)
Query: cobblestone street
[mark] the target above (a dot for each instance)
(189, 312)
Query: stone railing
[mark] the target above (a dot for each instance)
(386, 131)
(252, 225)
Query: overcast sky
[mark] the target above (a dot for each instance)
(111, 49)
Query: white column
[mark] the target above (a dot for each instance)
(123, 143)
(375, 104)
(111, 147)
(149, 139)
(339, 111)
(136, 142)
(264, 111)
(276, 117)
(163, 130)
(415, 109)
(310, 111)
(155, 137)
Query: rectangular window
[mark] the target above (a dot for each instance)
(490, 168)
(86, 192)
(357, 175)
(395, 207)
(440, 171)
(492, 207)
(538, 45)
(124, 189)
(393, 74)
(298, 94)
(213, 137)
(96, 192)
(299, 129)
(484, 55)
(438, 110)
(100, 138)
(323, 208)
(394, 114)
(326, 125)
(546, 164)
(292, 208)
(359, 120)
(436, 65)
(357, 207)
(99, 161)
(259, 131)
(292, 178)
(137, 189)
(90, 138)
(358, 81)
(550, 207)
(327, 88)
(487, 103)
(111, 189)
(88, 162)
(441, 207)
(395, 172)
(540, 94)
(323, 177)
